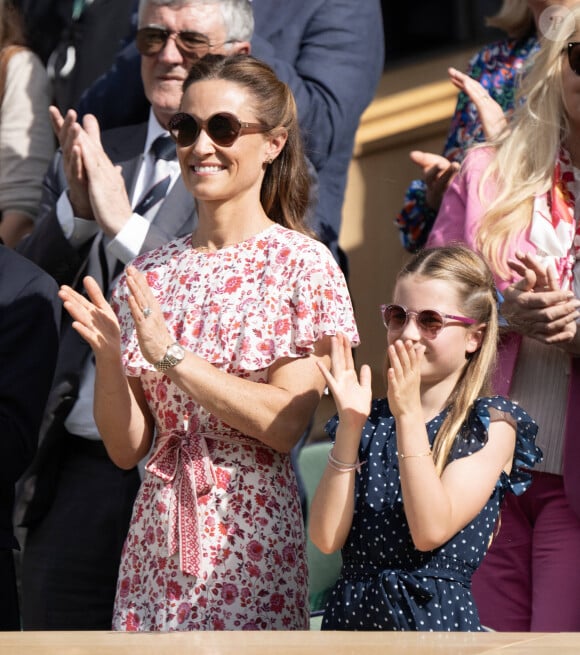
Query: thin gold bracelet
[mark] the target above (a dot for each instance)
(427, 453)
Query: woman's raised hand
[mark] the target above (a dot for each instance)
(491, 114)
(152, 332)
(438, 172)
(93, 318)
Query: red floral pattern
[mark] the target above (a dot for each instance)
(240, 308)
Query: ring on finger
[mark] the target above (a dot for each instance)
(147, 311)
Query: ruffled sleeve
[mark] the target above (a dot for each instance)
(318, 305)
(474, 436)
(244, 307)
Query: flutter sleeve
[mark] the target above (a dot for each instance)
(320, 302)
(302, 298)
(474, 436)
(244, 308)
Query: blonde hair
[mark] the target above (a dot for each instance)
(471, 277)
(525, 153)
(515, 18)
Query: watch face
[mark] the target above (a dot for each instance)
(174, 354)
(176, 351)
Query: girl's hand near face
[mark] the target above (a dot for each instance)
(352, 397)
(404, 378)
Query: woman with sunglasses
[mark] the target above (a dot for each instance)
(414, 481)
(220, 334)
(515, 202)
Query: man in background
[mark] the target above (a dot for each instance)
(29, 324)
(106, 199)
(330, 53)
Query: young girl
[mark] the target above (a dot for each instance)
(411, 492)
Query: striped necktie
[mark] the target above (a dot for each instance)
(163, 148)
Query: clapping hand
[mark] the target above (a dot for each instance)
(96, 187)
(536, 306)
(491, 115)
(68, 131)
(93, 319)
(404, 378)
(437, 173)
(152, 332)
(352, 397)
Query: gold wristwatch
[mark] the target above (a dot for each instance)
(173, 355)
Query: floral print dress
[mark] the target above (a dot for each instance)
(216, 539)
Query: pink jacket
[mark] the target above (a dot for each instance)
(457, 221)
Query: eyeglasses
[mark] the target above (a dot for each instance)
(574, 56)
(223, 129)
(193, 45)
(429, 321)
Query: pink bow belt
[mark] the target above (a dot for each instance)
(182, 460)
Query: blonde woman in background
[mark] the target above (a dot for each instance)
(26, 140)
(515, 202)
(492, 75)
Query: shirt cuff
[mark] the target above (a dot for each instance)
(130, 239)
(77, 230)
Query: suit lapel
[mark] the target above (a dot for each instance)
(125, 149)
(125, 146)
(177, 210)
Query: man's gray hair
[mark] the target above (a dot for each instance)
(237, 14)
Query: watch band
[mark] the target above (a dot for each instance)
(173, 355)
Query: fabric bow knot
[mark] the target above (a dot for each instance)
(182, 460)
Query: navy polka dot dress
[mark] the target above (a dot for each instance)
(385, 582)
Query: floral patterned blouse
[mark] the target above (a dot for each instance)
(497, 67)
(216, 540)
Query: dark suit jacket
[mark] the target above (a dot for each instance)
(330, 53)
(29, 326)
(48, 247)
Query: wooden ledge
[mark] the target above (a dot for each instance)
(405, 117)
